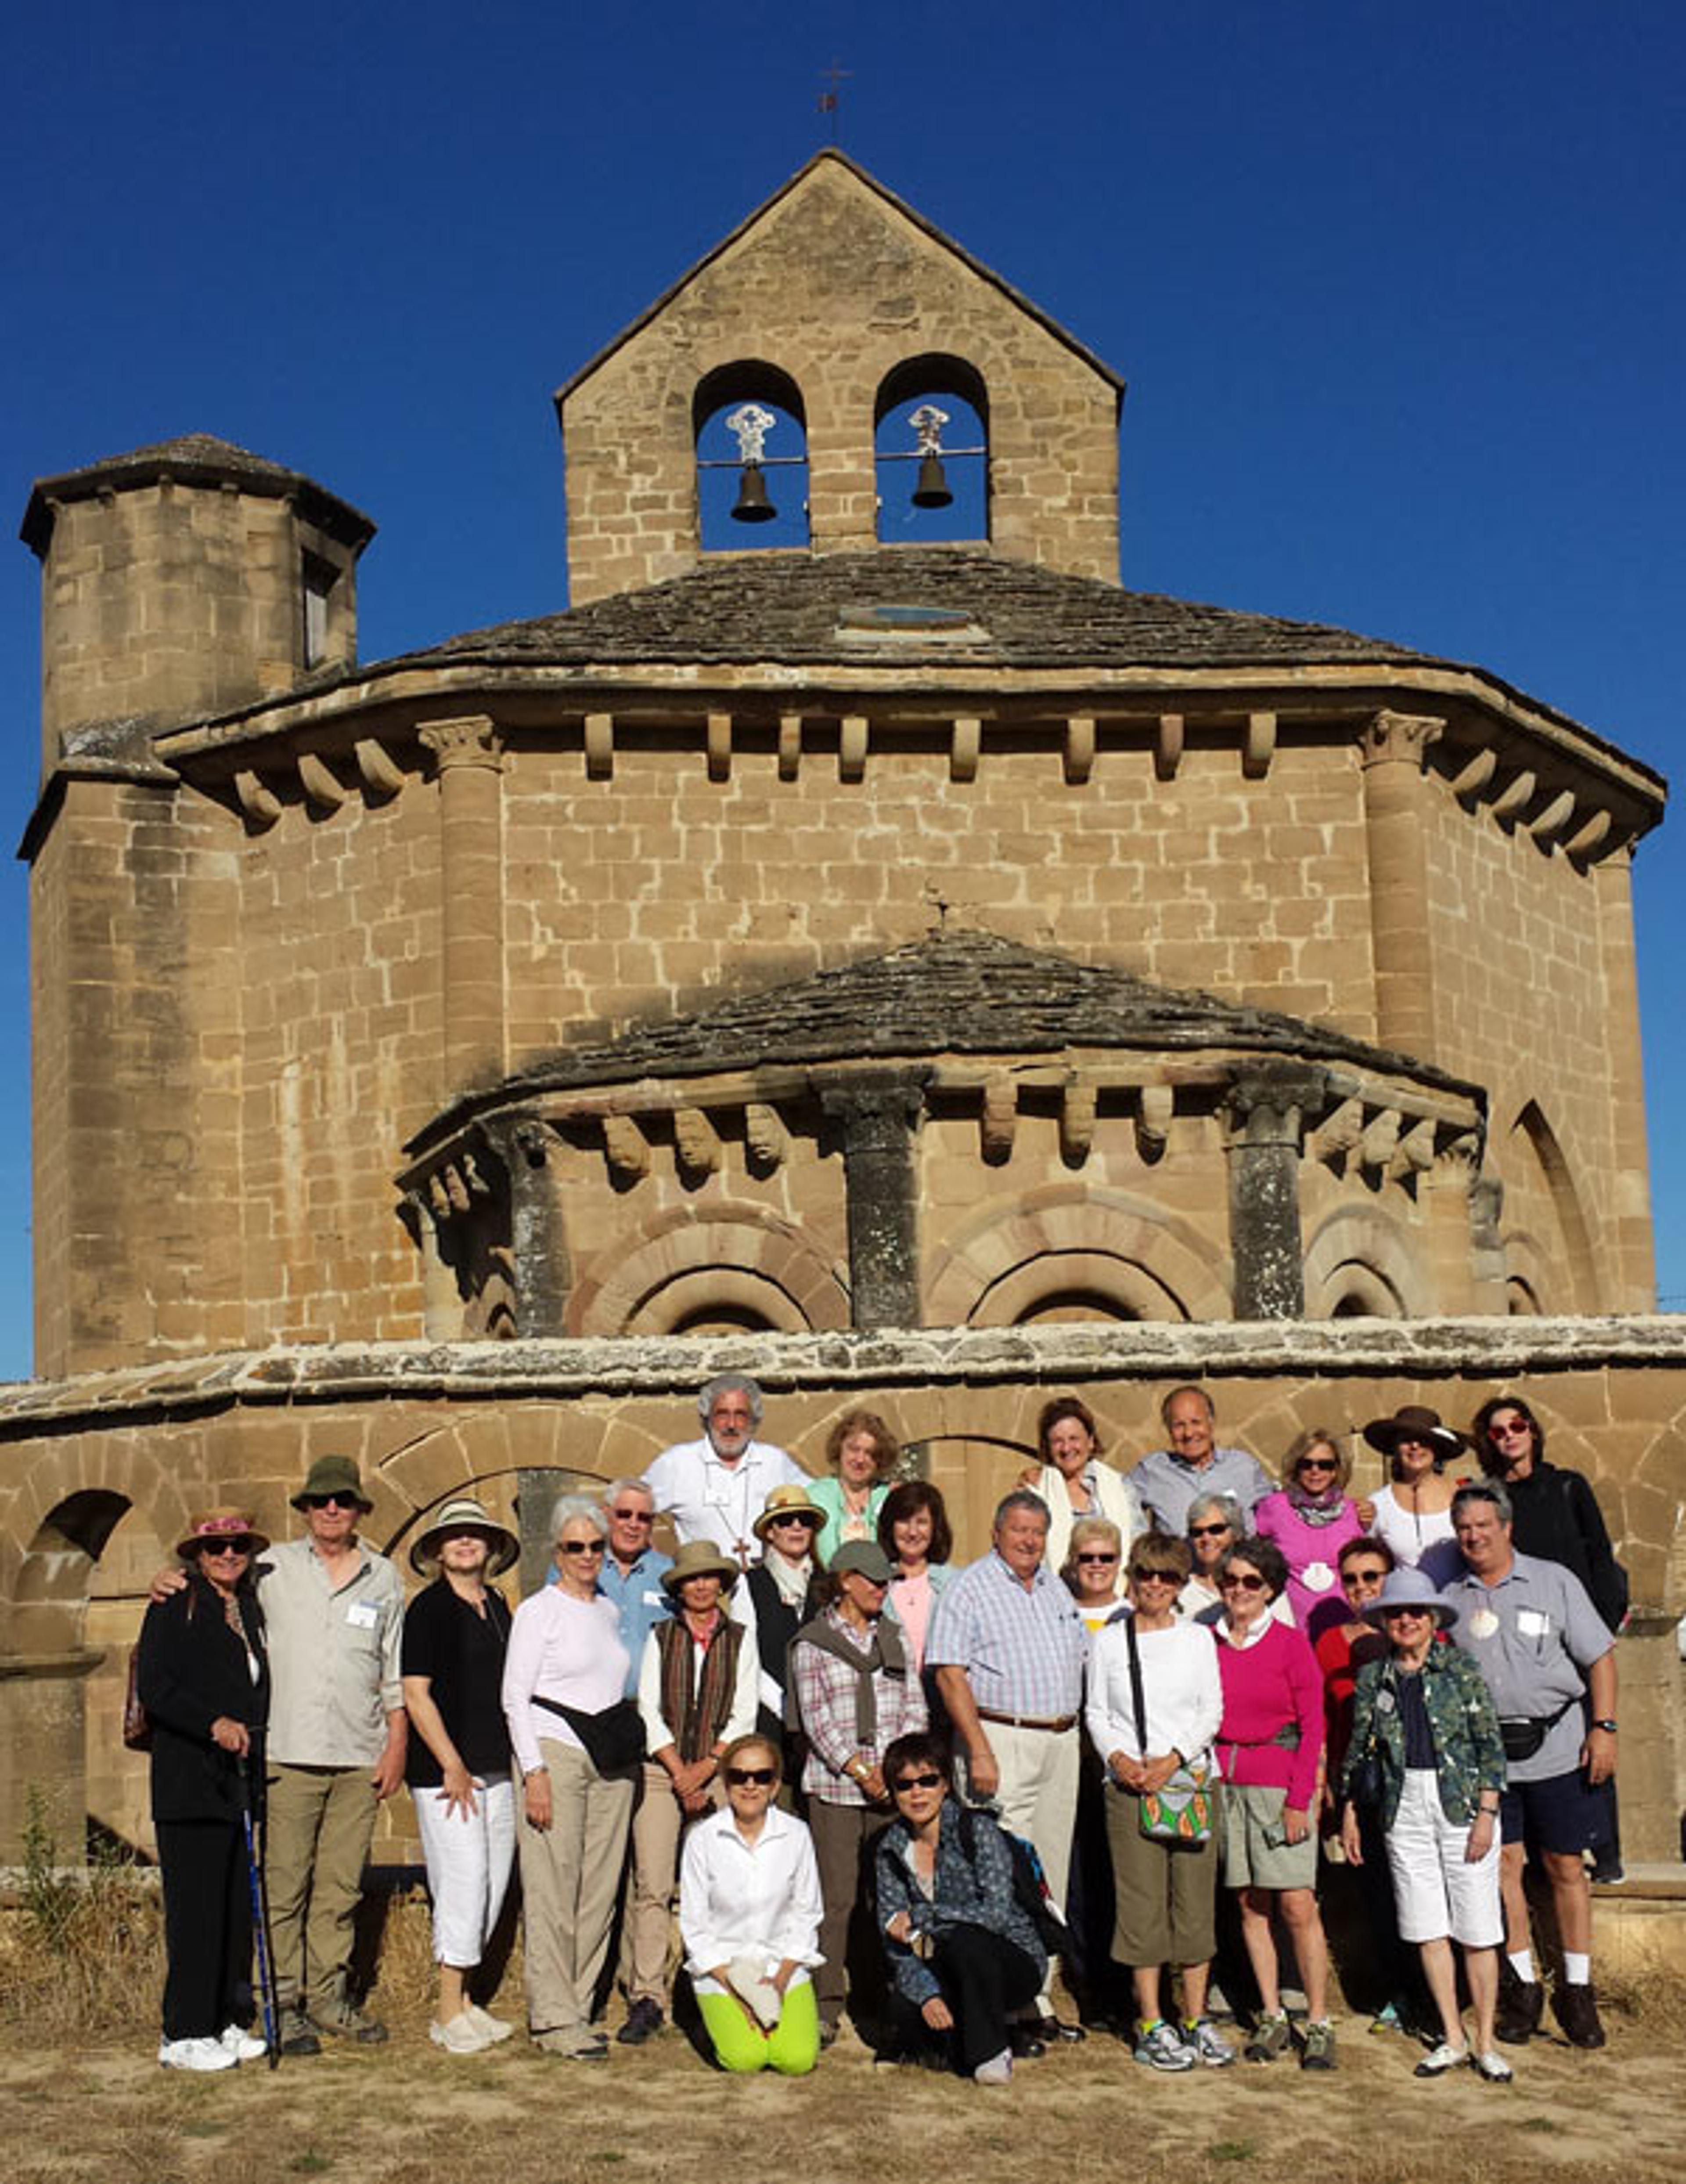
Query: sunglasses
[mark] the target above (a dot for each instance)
(1508, 1432)
(242, 1546)
(1318, 1463)
(779, 1523)
(1234, 1583)
(1398, 1615)
(1097, 1558)
(929, 1781)
(580, 1546)
(743, 1778)
(1352, 1577)
(333, 1501)
(633, 1516)
(1207, 1531)
(1154, 1577)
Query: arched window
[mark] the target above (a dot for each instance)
(931, 438)
(751, 434)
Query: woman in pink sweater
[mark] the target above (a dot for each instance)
(1269, 1748)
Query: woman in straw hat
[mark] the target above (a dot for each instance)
(456, 1634)
(1413, 1513)
(1424, 1729)
(204, 1677)
(777, 1597)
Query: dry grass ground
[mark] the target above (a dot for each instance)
(85, 2099)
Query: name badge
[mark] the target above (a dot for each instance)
(656, 1599)
(1532, 1623)
(1385, 1701)
(363, 1615)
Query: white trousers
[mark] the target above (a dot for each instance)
(1437, 1892)
(469, 1858)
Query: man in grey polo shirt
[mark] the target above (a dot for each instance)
(1549, 1663)
(1168, 1481)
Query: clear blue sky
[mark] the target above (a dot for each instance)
(1398, 293)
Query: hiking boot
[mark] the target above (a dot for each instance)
(297, 2034)
(1270, 2038)
(1317, 2046)
(343, 2020)
(644, 2019)
(1159, 2048)
(1576, 2012)
(1207, 2045)
(1522, 2004)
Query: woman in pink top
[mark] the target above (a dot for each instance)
(913, 1530)
(1270, 1749)
(1311, 1518)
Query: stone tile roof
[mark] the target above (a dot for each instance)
(789, 606)
(958, 993)
(196, 458)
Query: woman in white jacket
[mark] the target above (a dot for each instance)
(1073, 1480)
(750, 1918)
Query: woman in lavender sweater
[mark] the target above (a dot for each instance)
(1270, 1749)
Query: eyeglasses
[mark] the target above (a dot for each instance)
(1097, 1557)
(331, 1502)
(633, 1516)
(745, 1778)
(1154, 1577)
(927, 1781)
(580, 1546)
(242, 1546)
(1207, 1531)
(1234, 1583)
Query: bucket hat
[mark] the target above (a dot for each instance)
(1406, 1587)
(333, 1475)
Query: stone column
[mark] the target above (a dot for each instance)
(537, 1235)
(468, 756)
(1267, 1108)
(1628, 1251)
(876, 1114)
(1395, 818)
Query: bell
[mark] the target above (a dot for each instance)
(932, 488)
(752, 505)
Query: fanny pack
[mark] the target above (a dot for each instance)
(613, 1739)
(1524, 1734)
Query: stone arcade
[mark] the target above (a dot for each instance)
(928, 973)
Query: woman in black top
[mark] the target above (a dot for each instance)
(204, 1681)
(779, 1591)
(459, 1769)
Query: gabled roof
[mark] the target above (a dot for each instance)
(956, 993)
(789, 607)
(196, 458)
(829, 155)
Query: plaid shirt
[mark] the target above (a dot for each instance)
(1024, 1651)
(824, 1689)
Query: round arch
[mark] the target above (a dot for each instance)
(738, 1258)
(1357, 1259)
(1154, 1265)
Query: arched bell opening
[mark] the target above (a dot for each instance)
(931, 453)
(751, 433)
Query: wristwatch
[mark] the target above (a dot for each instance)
(1607, 1724)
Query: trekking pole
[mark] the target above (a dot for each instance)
(267, 2002)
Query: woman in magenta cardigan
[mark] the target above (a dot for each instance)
(1270, 1749)
(1311, 1518)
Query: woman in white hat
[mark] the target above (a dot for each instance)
(455, 1636)
(1426, 1746)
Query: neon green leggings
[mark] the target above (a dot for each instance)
(792, 2048)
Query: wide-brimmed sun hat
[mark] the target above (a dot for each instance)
(209, 1526)
(465, 1514)
(333, 1475)
(700, 1558)
(1406, 1587)
(787, 1501)
(1414, 1422)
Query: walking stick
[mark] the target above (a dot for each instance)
(267, 2002)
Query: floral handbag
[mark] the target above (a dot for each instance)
(1181, 1812)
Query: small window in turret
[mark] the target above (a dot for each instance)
(318, 579)
(931, 444)
(752, 458)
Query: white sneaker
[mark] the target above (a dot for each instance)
(494, 2028)
(205, 2054)
(461, 2036)
(245, 2047)
(997, 2071)
(1439, 2060)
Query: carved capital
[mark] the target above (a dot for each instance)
(1273, 1105)
(474, 740)
(1398, 739)
(875, 1109)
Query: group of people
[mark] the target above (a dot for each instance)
(867, 1779)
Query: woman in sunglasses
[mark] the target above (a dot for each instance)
(565, 1674)
(963, 1954)
(749, 1919)
(204, 1677)
(1094, 1573)
(1311, 1518)
(1426, 1714)
(1270, 1745)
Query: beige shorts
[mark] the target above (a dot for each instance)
(1250, 1844)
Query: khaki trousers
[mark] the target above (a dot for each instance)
(657, 1822)
(322, 1820)
(570, 1873)
(843, 1836)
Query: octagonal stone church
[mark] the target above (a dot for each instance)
(910, 963)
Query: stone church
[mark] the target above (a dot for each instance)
(896, 958)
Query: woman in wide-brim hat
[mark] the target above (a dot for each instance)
(202, 1676)
(455, 1637)
(1413, 1513)
(1425, 1717)
(777, 1597)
